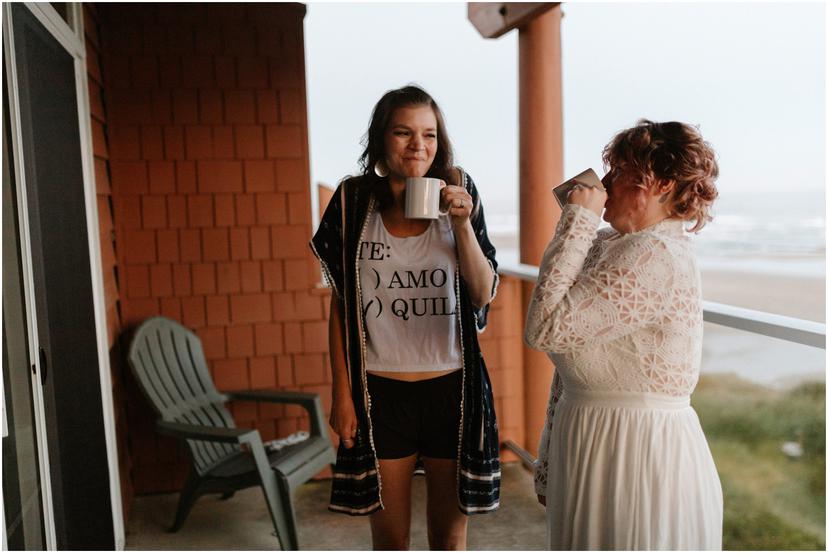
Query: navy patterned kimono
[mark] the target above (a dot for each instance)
(356, 484)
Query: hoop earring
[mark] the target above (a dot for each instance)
(381, 169)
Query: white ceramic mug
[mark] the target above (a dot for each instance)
(422, 198)
(585, 178)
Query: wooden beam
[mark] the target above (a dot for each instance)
(494, 19)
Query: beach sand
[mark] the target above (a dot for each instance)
(761, 359)
(793, 296)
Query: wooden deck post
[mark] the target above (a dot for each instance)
(540, 159)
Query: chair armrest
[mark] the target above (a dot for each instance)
(206, 433)
(311, 403)
(247, 436)
(273, 396)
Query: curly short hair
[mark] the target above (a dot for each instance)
(669, 152)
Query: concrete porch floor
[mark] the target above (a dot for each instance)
(242, 522)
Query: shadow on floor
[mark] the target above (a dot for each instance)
(242, 522)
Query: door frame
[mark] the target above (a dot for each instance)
(73, 41)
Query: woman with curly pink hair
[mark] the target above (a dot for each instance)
(623, 462)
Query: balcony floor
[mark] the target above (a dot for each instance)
(242, 522)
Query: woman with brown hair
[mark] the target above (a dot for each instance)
(410, 295)
(623, 462)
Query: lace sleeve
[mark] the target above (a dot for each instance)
(542, 462)
(627, 289)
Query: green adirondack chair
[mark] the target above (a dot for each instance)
(168, 362)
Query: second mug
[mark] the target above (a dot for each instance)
(422, 198)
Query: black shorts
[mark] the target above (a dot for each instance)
(416, 417)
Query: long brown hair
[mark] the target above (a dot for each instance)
(374, 140)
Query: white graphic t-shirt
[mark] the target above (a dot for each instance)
(408, 300)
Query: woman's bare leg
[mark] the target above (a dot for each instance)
(446, 523)
(391, 527)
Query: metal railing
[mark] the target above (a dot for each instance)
(526, 458)
(790, 329)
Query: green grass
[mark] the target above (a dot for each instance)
(771, 501)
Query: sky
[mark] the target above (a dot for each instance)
(751, 75)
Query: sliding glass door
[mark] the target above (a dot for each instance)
(59, 471)
(22, 488)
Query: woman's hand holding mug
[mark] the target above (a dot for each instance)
(459, 203)
(590, 197)
(584, 189)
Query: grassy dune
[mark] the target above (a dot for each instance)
(771, 501)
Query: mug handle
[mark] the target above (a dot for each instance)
(439, 210)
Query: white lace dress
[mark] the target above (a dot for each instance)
(623, 461)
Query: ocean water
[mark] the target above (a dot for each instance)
(750, 232)
(768, 233)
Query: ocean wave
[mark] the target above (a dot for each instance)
(727, 235)
(735, 234)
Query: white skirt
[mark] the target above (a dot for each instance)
(631, 471)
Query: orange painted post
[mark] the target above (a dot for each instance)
(541, 167)
(325, 194)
